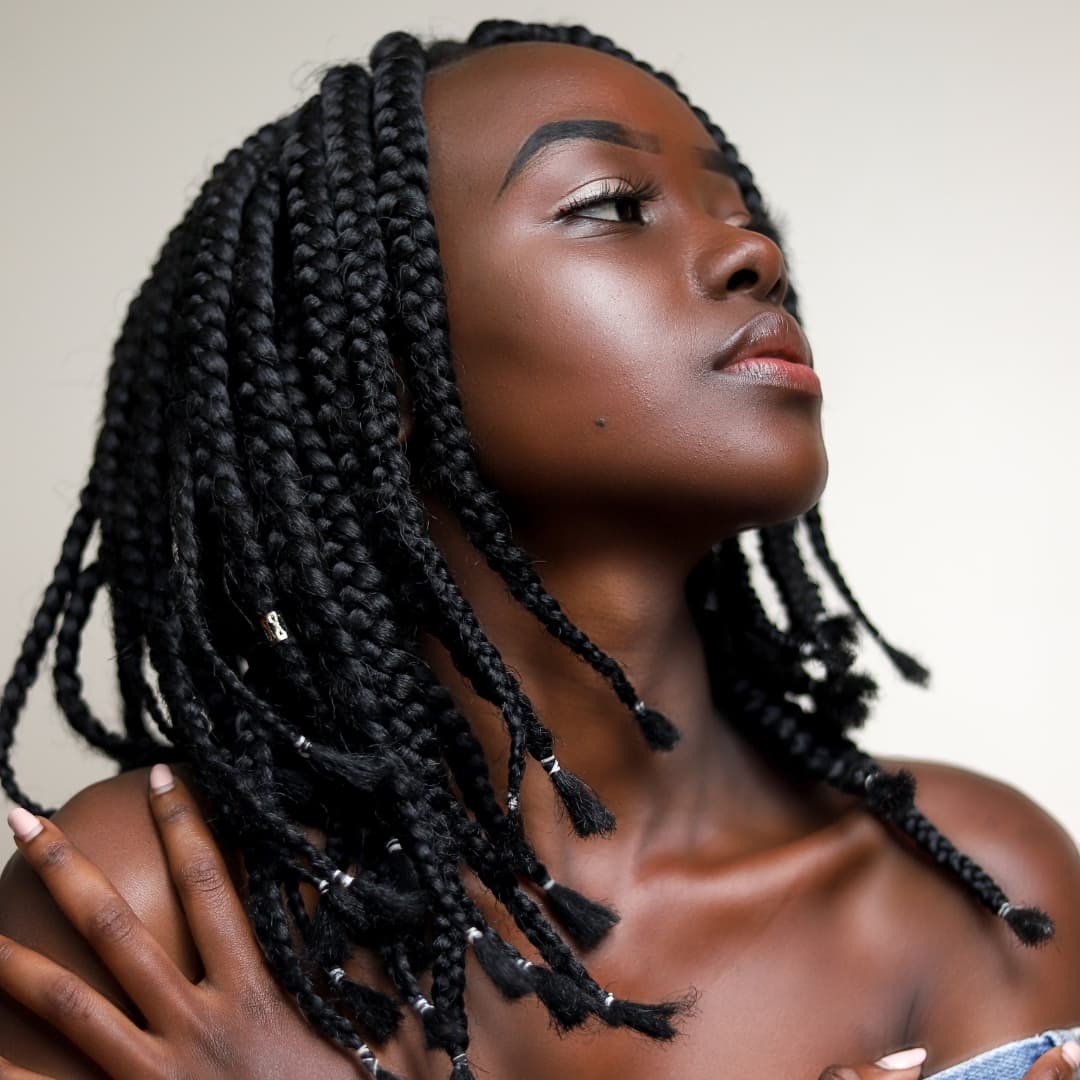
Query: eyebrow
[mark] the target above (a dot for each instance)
(601, 131)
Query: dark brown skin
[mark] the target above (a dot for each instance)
(811, 934)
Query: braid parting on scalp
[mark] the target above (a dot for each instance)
(265, 549)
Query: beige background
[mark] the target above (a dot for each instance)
(926, 157)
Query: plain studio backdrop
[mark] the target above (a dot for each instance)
(924, 157)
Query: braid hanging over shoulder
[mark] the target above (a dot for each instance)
(267, 557)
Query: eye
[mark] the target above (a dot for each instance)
(619, 201)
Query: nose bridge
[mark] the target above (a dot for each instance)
(730, 259)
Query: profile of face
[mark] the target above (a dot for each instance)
(600, 276)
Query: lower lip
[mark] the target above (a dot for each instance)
(772, 371)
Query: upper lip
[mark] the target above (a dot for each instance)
(770, 333)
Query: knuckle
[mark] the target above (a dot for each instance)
(257, 1003)
(66, 998)
(212, 1045)
(839, 1072)
(176, 813)
(202, 876)
(113, 922)
(57, 853)
(7, 951)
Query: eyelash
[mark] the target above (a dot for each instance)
(640, 191)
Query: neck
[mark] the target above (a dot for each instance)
(711, 792)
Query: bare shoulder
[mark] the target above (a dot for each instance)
(979, 982)
(1026, 850)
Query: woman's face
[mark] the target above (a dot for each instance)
(598, 270)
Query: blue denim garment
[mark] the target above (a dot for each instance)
(1008, 1062)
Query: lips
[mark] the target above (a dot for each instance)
(770, 334)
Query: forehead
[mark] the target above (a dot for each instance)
(480, 110)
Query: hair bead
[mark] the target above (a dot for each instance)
(273, 628)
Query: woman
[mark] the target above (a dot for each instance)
(287, 452)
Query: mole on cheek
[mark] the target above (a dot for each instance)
(599, 421)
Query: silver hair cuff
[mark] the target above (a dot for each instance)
(608, 1000)
(421, 1004)
(339, 877)
(303, 745)
(363, 1052)
(473, 935)
(459, 1059)
(273, 628)
(512, 803)
(1004, 910)
(336, 975)
(548, 885)
(554, 767)
(640, 707)
(392, 845)
(871, 777)
(323, 886)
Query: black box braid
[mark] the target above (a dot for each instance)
(249, 462)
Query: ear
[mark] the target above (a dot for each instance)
(405, 404)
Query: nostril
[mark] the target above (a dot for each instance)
(742, 280)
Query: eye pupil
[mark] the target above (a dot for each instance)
(627, 208)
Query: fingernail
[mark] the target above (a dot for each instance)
(905, 1059)
(161, 779)
(23, 824)
(1071, 1051)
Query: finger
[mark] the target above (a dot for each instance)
(1061, 1063)
(903, 1065)
(10, 1071)
(92, 1022)
(92, 905)
(219, 925)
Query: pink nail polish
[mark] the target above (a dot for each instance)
(23, 824)
(1071, 1050)
(161, 779)
(904, 1059)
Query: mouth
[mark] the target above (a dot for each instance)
(772, 335)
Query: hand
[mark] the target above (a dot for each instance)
(236, 1022)
(1061, 1063)
(905, 1065)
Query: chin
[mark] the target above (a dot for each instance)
(775, 490)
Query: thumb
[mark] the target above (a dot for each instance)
(1061, 1063)
(904, 1065)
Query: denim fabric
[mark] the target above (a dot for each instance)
(1008, 1062)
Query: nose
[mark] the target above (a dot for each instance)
(735, 261)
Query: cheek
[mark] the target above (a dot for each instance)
(553, 357)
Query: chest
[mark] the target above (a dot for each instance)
(775, 994)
